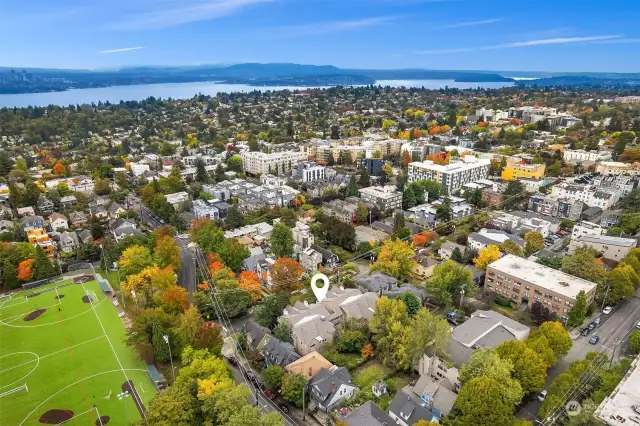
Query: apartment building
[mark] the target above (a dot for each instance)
(525, 281)
(309, 171)
(459, 207)
(618, 168)
(385, 197)
(520, 223)
(556, 207)
(255, 163)
(580, 155)
(205, 209)
(483, 238)
(516, 169)
(613, 248)
(615, 183)
(588, 194)
(534, 185)
(531, 114)
(453, 175)
(373, 166)
(585, 228)
(192, 160)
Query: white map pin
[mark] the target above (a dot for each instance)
(320, 292)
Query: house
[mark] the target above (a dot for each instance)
(312, 332)
(58, 221)
(85, 236)
(368, 414)
(78, 219)
(379, 388)
(613, 248)
(376, 283)
(256, 335)
(68, 242)
(29, 222)
(302, 237)
(40, 237)
(447, 249)
(439, 393)
(256, 255)
(424, 266)
(6, 225)
(25, 211)
(329, 388)
(99, 213)
(309, 365)
(68, 201)
(45, 205)
(486, 237)
(121, 228)
(311, 260)
(407, 410)
(277, 352)
(115, 211)
(329, 260)
(177, 199)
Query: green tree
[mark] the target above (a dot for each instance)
(292, 388)
(270, 309)
(364, 180)
(352, 188)
(411, 301)
(42, 267)
(456, 255)
(282, 332)
(273, 376)
(387, 313)
(395, 259)
(201, 172)
(429, 333)
(488, 364)
(482, 401)
(232, 254)
(444, 212)
(529, 368)
(582, 264)
(513, 194)
(398, 222)
(282, 240)
(234, 219)
(533, 242)
(9, 276)
(176, 406)
(579, 310)
(288, 217)
(621, 284)
(555, 169)
(408, 198)
(160, 347)
(540, 345)
(448, 281)
(510, 247)
(634, 342)
(557, 337)
(235, 300)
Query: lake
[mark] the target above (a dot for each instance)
(115, 94)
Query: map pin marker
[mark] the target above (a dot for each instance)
(320, 292)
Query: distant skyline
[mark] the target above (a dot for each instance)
(545, 35)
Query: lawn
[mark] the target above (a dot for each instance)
(112, 277)
(62, 356)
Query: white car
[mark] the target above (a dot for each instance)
(542, 395)
(607, 310)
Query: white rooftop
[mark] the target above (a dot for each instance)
(616, 410)
(542, 276)
(467, 164)
(606, 239)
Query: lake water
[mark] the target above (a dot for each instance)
(115, 94)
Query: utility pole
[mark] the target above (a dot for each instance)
(173, 371)
(303, 410)
(461, 297)
(604, 299)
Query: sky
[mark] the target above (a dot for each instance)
(540, 35)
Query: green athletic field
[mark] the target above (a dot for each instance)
(68, 360)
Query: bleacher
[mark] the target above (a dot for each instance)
(156, 377)
(104, 285)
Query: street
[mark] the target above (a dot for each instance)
(611, 331)
(187, 271)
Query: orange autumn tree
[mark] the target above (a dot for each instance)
(249, 282)
(406, 159)
(424, 238)
(286, 274)
(440, 159)
(367, 351)
(25, 269)
(215, 264)
(175, 299)
(59, 169)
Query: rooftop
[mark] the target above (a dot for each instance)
(467, 163)
(605, 239)
(542, 276)
(618, 408)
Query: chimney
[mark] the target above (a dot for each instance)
(333, 387)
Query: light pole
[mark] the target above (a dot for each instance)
(123, 396)
(604, 299)
(133, 293)
(173, 372)
(124, 305)
(461, 297)
(303, 410)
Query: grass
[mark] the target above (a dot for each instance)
(70, 359)
(112, 277)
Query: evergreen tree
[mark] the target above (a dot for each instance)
(9, 276)
(42, 267)
(352, 189)
(456, 255)
(364, 179)
(160, 347)
(253, 144)
(234, 218)
(444, 212)
(201, 172)
(220, 173)
(408, 198)
(398, 222)
(579, 310)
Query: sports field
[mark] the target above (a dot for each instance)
(63, 359)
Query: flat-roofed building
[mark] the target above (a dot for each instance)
(614, 248)
(255, 163)
(621, 407)
(526, 281)
(584, 228)
(453, 175)
(385, 197)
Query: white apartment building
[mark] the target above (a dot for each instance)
(309, 171)
(614, 248)
(584, 228)
(204, 208)
(260, 163)
(488, 115)
(190, 160)
(617, 168)
(385, 197)
(579, 155)
(588, 194)
(454, 175)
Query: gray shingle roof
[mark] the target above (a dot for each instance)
(369, 414)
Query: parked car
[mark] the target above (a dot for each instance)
(594, 339)
(269, 394)
(542, 395)
(585, 331)
(233, 361)
(592, 325)
(597, 321)
(607, 310)
(284, 408)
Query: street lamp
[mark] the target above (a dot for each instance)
(173, 372)
(123, 396)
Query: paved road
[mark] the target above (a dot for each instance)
(187, 272)
(611, 331)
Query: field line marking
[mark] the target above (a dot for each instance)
(72, 384)
(47, 355)
(73, 418)
(114, 350)
(49, 323)
(43, 307)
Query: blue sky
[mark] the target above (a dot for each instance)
(544, 35)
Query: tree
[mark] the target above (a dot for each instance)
(482, 402)
(59, 169)
(398, 222)
(529, 368)
(167, 252)
(352, 188)
(286, 274)
(201, 172)
(533, 242)
(288, 217)
(395, 259)
(102, 186)
(634, 342)
(487, 255)
(579, 310)
(448, 281)
(42, 266)
(233, 253)
(408, 198)
(510, 247)
(160, 347)
(387, 170)
(367, 351)
(582, 264)
(282, 240)
(250, 283)
(406, 159)
(25, 270)
(189, 327)
(134, 259)
(364, 179)
(175, 299)
(9, 276)
(273, 376)
(430, 333)
(540, 345)
(456, 255)
(487, 363)
(513, 194)
(411, 301)
(282, 332)
(621, 284)
(270, 309)
(424, 238)
(292, 388)
(234, 218)
(444, 212)
(235, 300)
(176, 406)
(387, 312)
(557, 337)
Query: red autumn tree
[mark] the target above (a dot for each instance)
(25, 269)
(215, 264)
(59, 169)
(424, 238)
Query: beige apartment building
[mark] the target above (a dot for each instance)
(525, 281)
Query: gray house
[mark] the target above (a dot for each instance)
(329, 388)
(29, 222)
(406, 410)
(277, 352)
(69, 241)
(369, 414)
(376, 283)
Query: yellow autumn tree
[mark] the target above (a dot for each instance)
(487, 255)
(150, 279)
(395, 259)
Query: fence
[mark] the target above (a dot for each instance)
(39, 283)
(81, 265)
